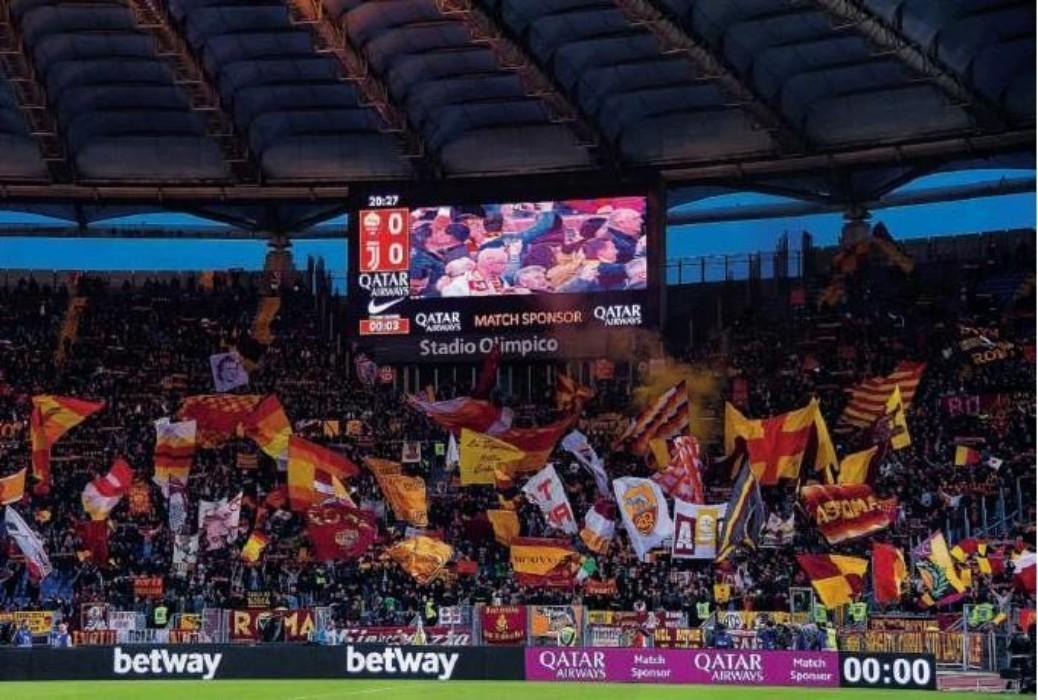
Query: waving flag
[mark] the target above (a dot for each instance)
(538, 443)
(254, 546)
(12, 487)
(228, 371)
(268, 426)
(174, 450)
(576, 444)
(339, 531)
(835, 578)
(570, 395)
(644, 512)
(857, 468)
(777, 446)
(53, 416)
(94, 534)
(888, 572)
(313, 471)
(682, 478)
(744, 515)
(847, 511)
(895, 413)
(218, 416)
(505, 524)
(266, 310)
(29, 543)
(480, 456)
(546, 490)
(218, 520)
(868, 399)
(465, 412)
(599, 527)
(422, 557)
(935, 567)
(103, 493)
(667, 417)
(966, 456)
(539, 561)
(406, 496)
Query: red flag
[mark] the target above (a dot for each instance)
(339, 531)
(888, 572)
(94, 534)
(53, 416)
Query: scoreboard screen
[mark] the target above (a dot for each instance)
(453, 279)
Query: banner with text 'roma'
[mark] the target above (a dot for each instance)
(847, 511)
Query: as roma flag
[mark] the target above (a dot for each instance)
(339, 532)
(313, 471)
(835, 578)
(537, 443)
(847, 511)
(53, 416)
(422, 557)
(269, 427)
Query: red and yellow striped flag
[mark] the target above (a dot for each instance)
(174, 450)
(312, 472)
(268, 427)
(835, 578)
(868, 400)
(667, 417)
(53, 416)
(218, 415)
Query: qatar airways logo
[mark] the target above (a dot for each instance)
(619, 314)
(439, 321)
(728, 667)
(574, 665)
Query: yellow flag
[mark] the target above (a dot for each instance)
(479, 456)
(736, 425)
(854, 468)
(538, 557)
(382, 467)
(899, 437)
(406, 496)
(422, 557)
(506, 525)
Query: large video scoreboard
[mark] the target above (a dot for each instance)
(445, 278)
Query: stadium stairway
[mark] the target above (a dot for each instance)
(972, 682)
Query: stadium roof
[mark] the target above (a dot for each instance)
(267, 114)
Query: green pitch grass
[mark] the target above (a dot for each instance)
(429, 690)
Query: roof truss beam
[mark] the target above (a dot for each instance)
(988, 115)
(674, 38)
(18, 68)
(512, 55)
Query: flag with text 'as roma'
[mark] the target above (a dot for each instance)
(53, 416)
(406, 496)
(254, 546)
(644, 511)
(422, 557)
(340, 531)
(174, 451)
(889, 572)
(218, 416)
(667, 417)
(29, 543)
(103, 493)
(868, 400)
(777, 446)
(845, 512)
(12, 487)
(540, 561)
(268, 426)
(505, 524)
(835, 578)
(313, 471)
(479, 456)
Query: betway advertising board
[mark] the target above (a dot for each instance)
(702, 666)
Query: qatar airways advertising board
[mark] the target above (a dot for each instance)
(447, 281)
(700, 666)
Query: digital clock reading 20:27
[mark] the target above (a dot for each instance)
(915, 671)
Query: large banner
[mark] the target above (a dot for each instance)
(288, 626)
(847, 511)
(707, 667)
(556, 625)
(40, 622)
(438, 635)
(504, 624)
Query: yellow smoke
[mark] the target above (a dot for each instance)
(703, 393)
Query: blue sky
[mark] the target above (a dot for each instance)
(950, 218)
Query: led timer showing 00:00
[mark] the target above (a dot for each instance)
(871, 671)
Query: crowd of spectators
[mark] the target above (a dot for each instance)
(143, 348)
